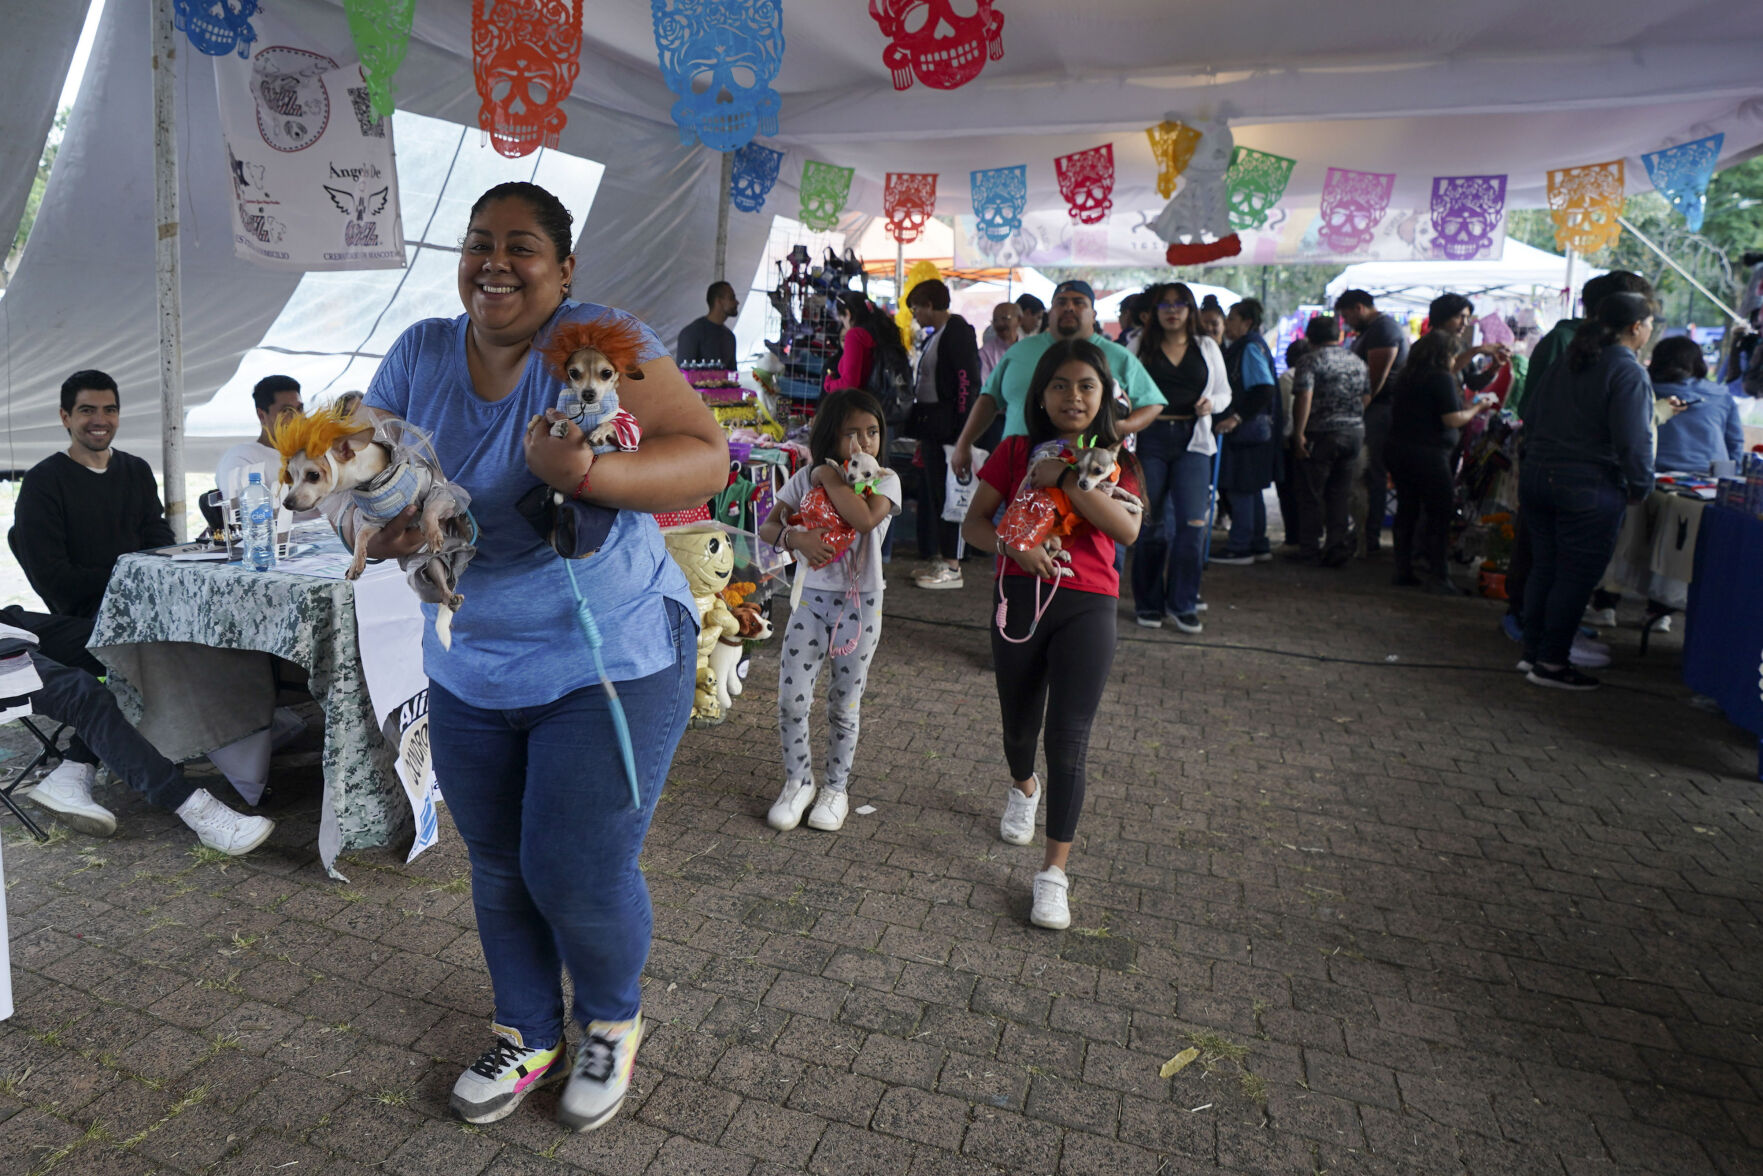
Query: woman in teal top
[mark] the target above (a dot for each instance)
(523, 735)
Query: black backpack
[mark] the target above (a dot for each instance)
(891, 382)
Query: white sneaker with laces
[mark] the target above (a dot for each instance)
(67, 792)
(828, 814)
(508, 1071)
(943, 577)
(219, 827)
(1603, 618)
(786, 811)
(1018, 823)
(1050, 907)
(1588, 654)
(601, 1075)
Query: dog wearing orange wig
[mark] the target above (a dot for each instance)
(367, 472)
(591, 358)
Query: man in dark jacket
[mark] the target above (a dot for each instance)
(948, 380)
(79, 511)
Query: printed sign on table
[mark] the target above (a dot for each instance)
(389, 623)
(315, 186)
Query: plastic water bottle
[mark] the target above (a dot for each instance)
(258, 510)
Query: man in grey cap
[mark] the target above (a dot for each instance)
(1072, 316)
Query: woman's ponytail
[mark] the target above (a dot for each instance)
(1614, 315)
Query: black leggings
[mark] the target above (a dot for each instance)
(1425, 504)
(1058, 673)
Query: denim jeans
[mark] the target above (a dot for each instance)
(1248, 523)
(1573, 513)
(541, 801)
(76, 697)
(935, 426)
(1325, 482)
(1425, 505)
(1378, 415)
(1178, 487)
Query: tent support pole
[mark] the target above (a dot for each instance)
(1567, 295)
(1665, 257)
(728, 179)
(166, 279)
(900, 272)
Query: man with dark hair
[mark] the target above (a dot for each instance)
(274, 398)
(79, 510)
(707, 341)
(1006, 389)
(1382, 343)
(947, 382)
(1329, 393)
(1034, 314)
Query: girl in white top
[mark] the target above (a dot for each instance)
(839, 618)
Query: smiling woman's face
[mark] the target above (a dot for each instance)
(509, 277)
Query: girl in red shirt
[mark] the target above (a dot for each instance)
(1056, 644)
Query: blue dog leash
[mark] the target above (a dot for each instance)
(592, 630)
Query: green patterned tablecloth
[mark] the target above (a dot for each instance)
(171, 634)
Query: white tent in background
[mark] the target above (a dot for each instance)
(1523, 274)
(1372, 88)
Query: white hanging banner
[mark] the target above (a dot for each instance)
(389, 625)
(315, 183)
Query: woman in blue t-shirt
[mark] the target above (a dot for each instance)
(523, 735)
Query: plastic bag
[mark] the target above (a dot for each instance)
(817, 512)
(1031, 518)
(957, 494)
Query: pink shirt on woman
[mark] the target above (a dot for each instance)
(853, 361)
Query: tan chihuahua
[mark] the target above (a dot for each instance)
(333, 450)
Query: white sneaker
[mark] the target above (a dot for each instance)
(219, 827)
(1588, 654)
(786, 811)
(1661, 623)
(1603, 618)
(508, 1071)
(829, 811)
(1050, 908)
(67, 792)
(602, 1074)
(1018, 824)
(943, 576)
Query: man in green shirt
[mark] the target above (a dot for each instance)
(1072, 316)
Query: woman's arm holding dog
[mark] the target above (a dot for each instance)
(863, 514)
(682, 462)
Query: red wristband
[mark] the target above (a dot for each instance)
(581, 487)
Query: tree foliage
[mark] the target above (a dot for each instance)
(1732, 226)
(35, 200)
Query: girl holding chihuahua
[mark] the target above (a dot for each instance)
(1052, 653)
(840, 616)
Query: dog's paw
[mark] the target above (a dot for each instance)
(560, 429)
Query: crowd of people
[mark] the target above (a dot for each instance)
(1186, 396)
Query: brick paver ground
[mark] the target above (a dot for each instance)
(1417, 917)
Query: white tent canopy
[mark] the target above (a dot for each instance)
(1524, 274)
(1498, 88)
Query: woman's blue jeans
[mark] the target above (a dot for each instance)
(1178, 487)
(1574, 514)
(1248, 523)
(541, 801)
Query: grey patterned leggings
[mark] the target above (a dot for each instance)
(825, 622)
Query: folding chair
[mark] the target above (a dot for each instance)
(50, 750)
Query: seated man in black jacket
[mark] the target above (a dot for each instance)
(78, 511)
(76, 697)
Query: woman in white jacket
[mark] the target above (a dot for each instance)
(1176, 452)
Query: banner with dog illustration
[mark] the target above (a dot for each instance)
(389, 624)
(311, 164)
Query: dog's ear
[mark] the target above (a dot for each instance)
(633, 373)
(345, 450)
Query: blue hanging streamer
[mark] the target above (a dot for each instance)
(755, 171)
(1681, 174)
(585, 616)
(217, 28)
(1000, 195)
(719, 57)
